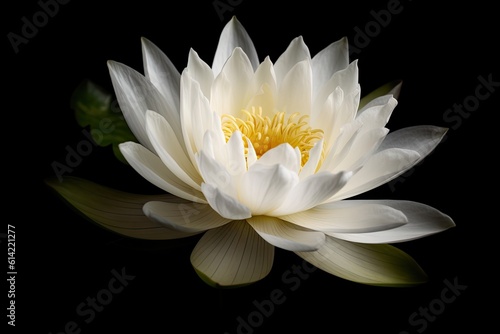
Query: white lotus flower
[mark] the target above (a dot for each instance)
(265, 155)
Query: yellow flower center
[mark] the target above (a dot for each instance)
(266, 133)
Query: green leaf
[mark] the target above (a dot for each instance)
(115, 210)
(392, 87)
(371, 264)
(95, 108)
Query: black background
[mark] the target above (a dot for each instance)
(438, 52)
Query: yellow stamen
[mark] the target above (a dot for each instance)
(265, 133)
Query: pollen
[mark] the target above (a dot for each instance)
(266, 133)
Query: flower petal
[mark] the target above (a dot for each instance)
(295, 92)
(215, 174)
(116, 210)
(233, 254)
(184, 217)
(263, 187)
(283, 154)
(333, 58)
(296, 52)
(233, 35)
(161, 72)
(231, 88)
(136, 95)
(225, 205)
(287, 236)
(200, 72)
(421, 138)
(313, 161)
(162, 137)
(349, 217)
(311, 191)
(380, 168)
(423, 221)
(150, 166)
(380, 265)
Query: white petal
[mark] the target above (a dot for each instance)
(251, 155)
(295, 92)
(215, 174)
(378, 115)
(231, 88)
(422, 139)
(331, 59)
(263, 187)
(162, 137)
(184, 217)
(225, 205)
(200, 72)
(150, 166)
(314, 158)
(233, 35)
(196, 116)
(233, 254)
(423, 221)
(312, 191)
(287, 236)
(363, 145)
(378, 169)
(380, 265)
(282, 154)
(236, 163)
(349, 217)
(346, 79)
(296, 52)
(136, 95)
(161, 72)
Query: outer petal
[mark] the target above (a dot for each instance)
(381, 265)
(378, 169)
(162, 137)
(423, 220)
(331, 59)
(116, 210)
(184, 217)
(233, 254)
(233, 35)
(422, 139)
(312, 191)
(287, 236)
(227, 206)
(352, 217)
(161, 72)
(136, 95)
(152, 169)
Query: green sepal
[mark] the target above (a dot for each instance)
(95, 108)
(390, 88)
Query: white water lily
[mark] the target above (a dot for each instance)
(266, 155)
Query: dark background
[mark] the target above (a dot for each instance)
(439, 53)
